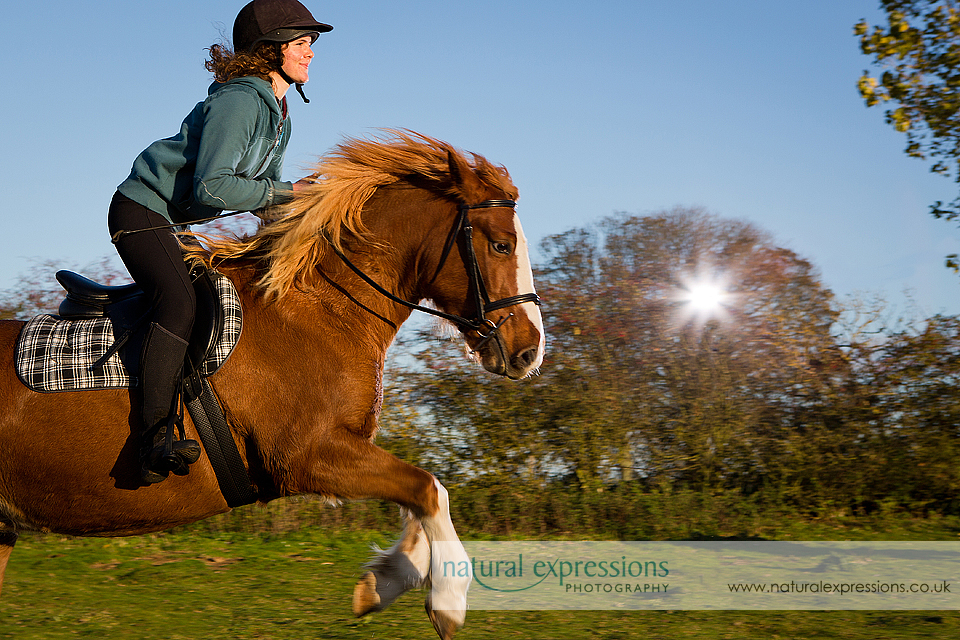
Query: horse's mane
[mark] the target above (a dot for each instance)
(293, 241)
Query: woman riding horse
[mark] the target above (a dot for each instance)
(324, 289)
(227, 156)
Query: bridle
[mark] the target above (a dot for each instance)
(483, 304)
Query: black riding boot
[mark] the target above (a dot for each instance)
(160, 365)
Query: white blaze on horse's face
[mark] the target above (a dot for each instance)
(525, 285)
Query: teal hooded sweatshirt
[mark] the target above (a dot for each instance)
(228, 156)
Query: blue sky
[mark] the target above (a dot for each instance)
(748, 109)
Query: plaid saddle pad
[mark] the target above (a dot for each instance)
(54, 354)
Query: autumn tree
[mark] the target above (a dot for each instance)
(915, 401)
(919, 51)
(693, 392)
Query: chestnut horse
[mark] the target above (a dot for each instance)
(302, 390)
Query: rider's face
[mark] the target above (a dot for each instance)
(297, 56)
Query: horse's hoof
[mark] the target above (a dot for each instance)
(447, 623)
(365, 597)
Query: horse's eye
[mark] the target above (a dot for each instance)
(502, 247)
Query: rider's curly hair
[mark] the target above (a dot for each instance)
(226, 65)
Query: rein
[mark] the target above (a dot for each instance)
(482, 299)
(119, 235)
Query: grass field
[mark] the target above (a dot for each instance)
(297, 585)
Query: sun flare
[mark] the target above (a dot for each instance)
(705, 297)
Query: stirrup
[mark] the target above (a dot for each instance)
(169, 455)
(178, 454)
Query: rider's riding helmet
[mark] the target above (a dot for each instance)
(274, 21)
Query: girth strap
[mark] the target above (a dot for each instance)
(220, 446)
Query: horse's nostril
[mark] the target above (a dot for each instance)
(526, 357)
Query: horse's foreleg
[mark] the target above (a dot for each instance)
(7, 540)
(450, 570)
(429, 551)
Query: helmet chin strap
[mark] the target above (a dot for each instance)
(292, 82)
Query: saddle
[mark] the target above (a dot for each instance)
(95, 340)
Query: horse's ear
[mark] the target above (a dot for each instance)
(463, 179)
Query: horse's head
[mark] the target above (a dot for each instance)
(488, 279)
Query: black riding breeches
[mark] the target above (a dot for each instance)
(155, 262)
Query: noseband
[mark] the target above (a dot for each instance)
(478, 290)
